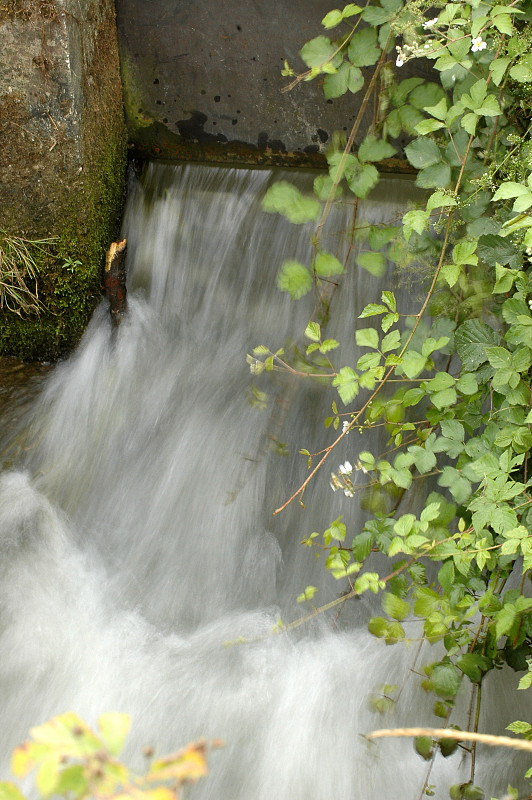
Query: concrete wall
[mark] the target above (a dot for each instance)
(202, 79)
(62, 158)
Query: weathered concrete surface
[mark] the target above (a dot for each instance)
(62, 157)
(202, 78)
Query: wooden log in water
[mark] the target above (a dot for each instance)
(114, 280)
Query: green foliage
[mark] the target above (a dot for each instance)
(460, 408)
(70, 760)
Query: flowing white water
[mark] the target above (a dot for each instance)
(138, 535)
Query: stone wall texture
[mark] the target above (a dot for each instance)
(62, 158)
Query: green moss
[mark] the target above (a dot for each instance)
(86, 218)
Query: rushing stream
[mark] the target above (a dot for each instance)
(136, 527)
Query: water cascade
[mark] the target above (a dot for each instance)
(136, 527)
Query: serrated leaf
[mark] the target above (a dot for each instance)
(415, 221)
(373, 149)
(367, 337)
(332, 19)
(423, 153)
(413, 363)
(394, 606)
(471, 340)
(347, 384)
(317, 51)
(313, 331)
(437, 175)
(363, 50)
(440, 200)
(361, 178)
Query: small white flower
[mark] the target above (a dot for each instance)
(345, 469)
(477, 44)
(360, 466)
(430, 22)
(530, 304)
(399, 62)
(345, 426)
(349, 493)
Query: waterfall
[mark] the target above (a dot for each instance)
(136, 529)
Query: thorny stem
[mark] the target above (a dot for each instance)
(388, 375)
(419, 315)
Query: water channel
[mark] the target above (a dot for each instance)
(136, 528)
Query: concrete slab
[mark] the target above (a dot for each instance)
(204, 77)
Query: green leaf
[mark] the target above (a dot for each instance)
(474, 666)
(373, 149)
(347, 77)
(464, 253)
(438, 175)
(372, 309)
(414, 221)
(423, 153)
(322, 187)
(307, 595)
(471, 340)
(367, 337)
(413, 363)
(391, 341)
(284, 198)
(317, 51)
(493, 249)
(429, 126)
(394, 606)
(363, 50)
(424, 460)
(326, 265)
(426, 95)
(498, 68)
(504, 619)
(440, 200)
(332, 19)
(347, 384)
(295, 279)
(114, 727)
(509, 189)
(445, 680)
(522, 71)
(374, 263)
(361, 178)
(403, 89)
(313, 331)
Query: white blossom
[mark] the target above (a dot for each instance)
(430, 22)
(345, 426)
(477, 44)
(399, 62)
(345, 469)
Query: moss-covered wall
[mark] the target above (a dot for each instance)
(62, 160)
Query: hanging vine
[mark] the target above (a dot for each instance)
(466, 424)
